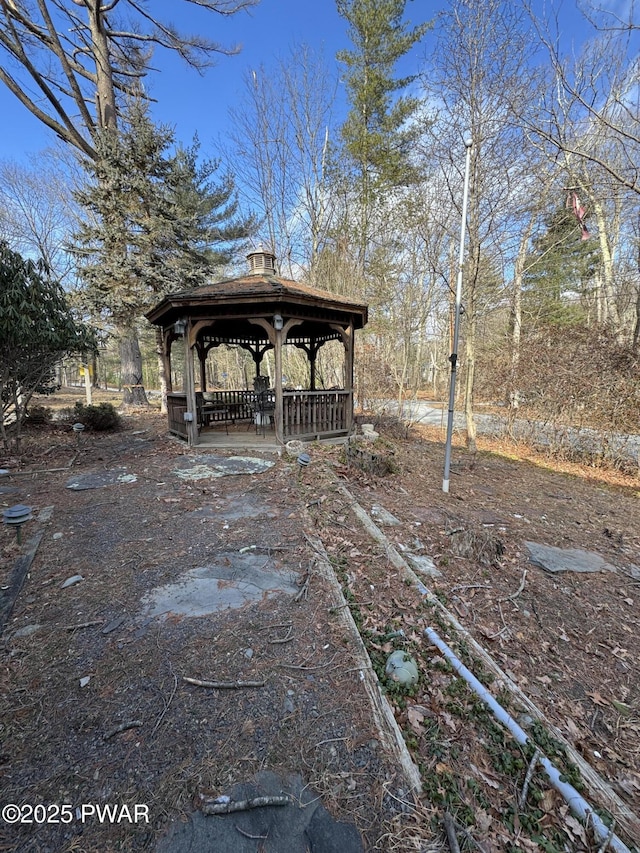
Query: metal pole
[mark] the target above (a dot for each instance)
(468, 142)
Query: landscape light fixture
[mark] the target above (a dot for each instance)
(180, 326)
(278, 322)
(453, 358)
(16, 516)
(78, 429)
(303, 460)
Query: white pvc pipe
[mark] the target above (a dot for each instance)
(578, 805)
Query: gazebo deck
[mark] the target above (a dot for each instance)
(239, 438)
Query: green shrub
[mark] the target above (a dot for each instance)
(39, 415)
(101, 418)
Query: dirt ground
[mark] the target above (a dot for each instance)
(569, 641)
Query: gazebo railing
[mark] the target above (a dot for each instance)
(228, 405)
(305, 414)
(315, 413)
(176, 407)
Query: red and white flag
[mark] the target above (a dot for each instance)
(573, 202)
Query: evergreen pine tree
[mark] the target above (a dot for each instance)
(559, 272)
(156, 222)
(377, 134)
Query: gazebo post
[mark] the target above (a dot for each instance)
(190, 387)
(348, 379)
(313, 355)
(347, 333)
(202, 357)
(278, 383)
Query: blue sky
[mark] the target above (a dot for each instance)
(192, 103)
(187, 100)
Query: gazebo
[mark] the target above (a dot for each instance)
(259, 312)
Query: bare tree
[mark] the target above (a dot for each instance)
(591, 111)
(281, 134)
(36, 210)
(69, 61)
(471, 82)
(586, 121)
(72, 64)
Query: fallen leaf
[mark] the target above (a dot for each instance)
(449, 721)
(597, 699)
(572, 729)
(629, 782)
(574, 828)
(483, 820)
(416, 718)
(248, 727)
(491, 781)
(621, 708)
(548, 802)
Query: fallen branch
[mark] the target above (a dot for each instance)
(223, 685)
(248, 835)
(527, 780)
(304, 666)
(350, 604)
(130, 724)
(166, 705)
(286, 639)
(450, 829)
(83, 625)
(519, 590)
(44, 470)
(304, 590)
(244, 805)
(15, 582)
(465, 586)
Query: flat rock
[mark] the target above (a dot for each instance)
(114, 624)
(100, 479)
(204, 467)
(234, 580)
(27, 630)
(302, 826)
(423, 565)
(554, 560)
(383, 516)
(72, 581)
(9, 490)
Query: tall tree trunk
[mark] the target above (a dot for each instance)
(610, 308)
(470, 370)
(105, 91)
(636, 327)
(133, 393)
(515, 321)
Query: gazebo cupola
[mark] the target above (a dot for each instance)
(261, 262)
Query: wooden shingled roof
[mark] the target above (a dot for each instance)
(258, 294)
